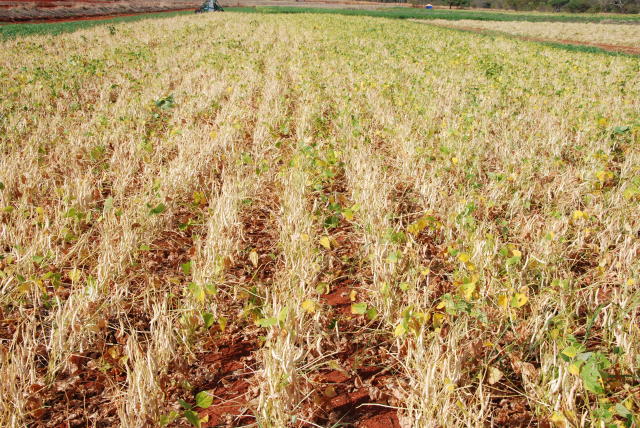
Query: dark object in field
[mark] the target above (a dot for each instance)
(210, 6)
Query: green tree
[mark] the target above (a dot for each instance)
(558, 4)
(458, 3)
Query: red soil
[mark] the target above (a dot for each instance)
(41, 11)
(98, 17)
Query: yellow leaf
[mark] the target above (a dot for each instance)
(450, 385)
(516, 253)
(335, 365)
(352, 295)
(574, 369)
(400, 330)
(309, 306)
(603, 176)
(330, 392)
(197, 292)
(324, 241)
(454, 160)
(425, 272)
(419, 225)
(222, 323)
(559, 420)
(253, 256)
(502, 301)
(494, 375)
(464, 257)
(519, 300)
(570, 351)
(74, 275)
(467, 290)
(438, 319)
(577, 215)
(199, 198)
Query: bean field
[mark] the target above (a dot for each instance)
(297, 220)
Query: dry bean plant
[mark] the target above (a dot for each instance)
(625, 35)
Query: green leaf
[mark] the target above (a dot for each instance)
(603, 361)
(591, 378)
(570, 351)
(204, 399)
(185, 405)
(282, 315)
(208, 319)
(197, 292)
(167, 419)
(211, 289)
(331, 222)
(159, 209)
(395, 237)
(267, 322)
(108, 204)
(394, 257)
(192, 417)
(186, 268)
(359, 308)
(372, 313)
(513, 260)
(166, 102)
(623, 412)
(621, 129)
(322, 288)
(1, 185)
